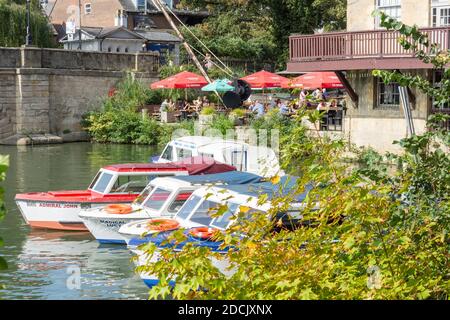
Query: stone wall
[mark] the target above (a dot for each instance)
(47, 91)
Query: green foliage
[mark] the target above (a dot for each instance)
(372, 238)
(222, 123)
(238, 113)
(4, 163)
(208, 111)
(259, 30)
(13, 25)
(412, 39)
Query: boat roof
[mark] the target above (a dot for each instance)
(226, 178)
(144, 167)
(194, 166)
(286, 186)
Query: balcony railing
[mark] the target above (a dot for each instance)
(357, 45)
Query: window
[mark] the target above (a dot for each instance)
(103, 182)
(203, 213)
(179, 201)
(157, 199)
(168, 154)
(91, 186)
(126, 49)
(223, 221)
(239, 160)
(109, 49)
(118, 49)
(393, 8)
(129, 184)
(188, 207)
(441, 17)
(143, 195)
(87, 8)
(142, 5)
(388, 95)
(183, 153)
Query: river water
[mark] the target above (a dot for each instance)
(42, 263)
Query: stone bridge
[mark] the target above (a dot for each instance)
(45, 92)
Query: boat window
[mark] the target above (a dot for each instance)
(183, 153)
(157, 199)
(129, 184)
(203, 213)
(178, 202)
(187, 208)
(91, 186)
(168, 153)
(143, 195)
(103, 182)
(223, 221)
(239, 160)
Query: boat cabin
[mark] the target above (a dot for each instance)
(255, 159)
(165, 196)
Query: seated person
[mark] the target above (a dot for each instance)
(284, 109)
(258, 109)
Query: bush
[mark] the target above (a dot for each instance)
(208, 111)
(222, 123)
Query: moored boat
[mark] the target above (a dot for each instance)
(163, 197)
(195, 217)
(114, 184)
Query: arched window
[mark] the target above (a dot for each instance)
(109, 49)
(126, 49)
(118, 49)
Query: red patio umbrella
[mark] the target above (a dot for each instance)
(314, 80)
(265, 80)
(182, 80)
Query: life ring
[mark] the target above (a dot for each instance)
(119, 209)
(163, 224)
(203, 233)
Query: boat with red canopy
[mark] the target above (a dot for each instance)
(113, 184)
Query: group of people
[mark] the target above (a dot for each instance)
(185, 108)
(259, 109)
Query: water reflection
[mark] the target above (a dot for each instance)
(39, 259)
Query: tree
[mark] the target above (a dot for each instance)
(13, 25)
(260, 29)
(375, 235)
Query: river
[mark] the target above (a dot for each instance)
(42, 263)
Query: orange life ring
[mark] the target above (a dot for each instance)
(163, 224)
(119, 209)
(203, 232)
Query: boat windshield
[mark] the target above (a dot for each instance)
(143, 196)
(157, 199)
(188, 206)
(102, 182)
(224, 220)
(91, 186)
(178, 202)
(130, 184)
(203, 213)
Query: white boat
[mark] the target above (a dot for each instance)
(113, 184)
(255, 159)
(163, 197)
(196, 213)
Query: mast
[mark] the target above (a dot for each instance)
(194, 58)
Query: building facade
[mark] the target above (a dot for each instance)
(139, 16)
(374, 116)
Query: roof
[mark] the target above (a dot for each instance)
(226, 178)
(204, 165)
(143, 167)
(158, 36)
(102, 33)
(286, 186)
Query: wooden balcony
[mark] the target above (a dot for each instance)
(364, 50)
